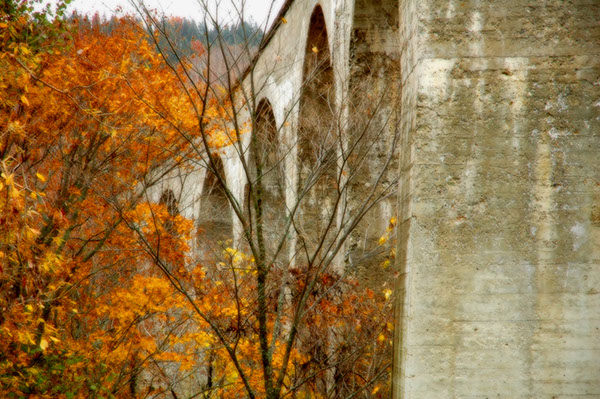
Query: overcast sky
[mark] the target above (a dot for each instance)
(255, 9)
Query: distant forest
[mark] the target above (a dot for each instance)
(186, 34)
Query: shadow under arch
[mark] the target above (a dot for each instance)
(372, 127)
(317, 99)
(317, 136)
(215, 224)
(169, 200)
(265, 193)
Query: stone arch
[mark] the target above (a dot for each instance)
(266, 152)
(374, 40)
(374, 56)
(267, 175)
(316, 134)
(169, 200)
(373, 88)
(317, 98)
(215, 222)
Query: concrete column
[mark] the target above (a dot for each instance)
(500, 199)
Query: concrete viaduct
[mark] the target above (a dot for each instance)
(498, 169)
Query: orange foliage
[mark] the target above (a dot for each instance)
(87, 125)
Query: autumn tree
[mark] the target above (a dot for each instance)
(87, 127)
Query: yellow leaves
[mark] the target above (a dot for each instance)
(92, 112)
(391, 226)
(25, 337)
(15, 194)
(41, 177)
(57, 241)
(144, 295)
(221, 138)
(283, 20)
(3, 25)
(43, 344)
(315, 49)
(242, 262)
(50, 262)
(34, 232)
(9, 179)
(388, 231)
(201, 338)
(9, 182)
(387, 293)
(24, 100)
(16, 127)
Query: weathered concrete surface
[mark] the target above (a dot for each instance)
(500, 237)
